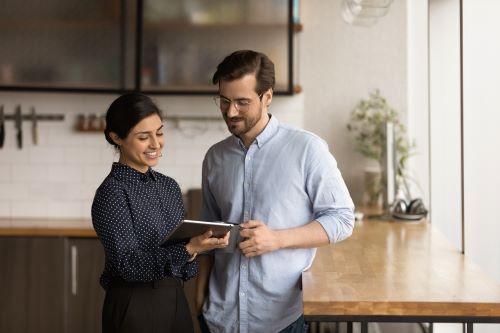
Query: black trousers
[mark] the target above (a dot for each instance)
(146, 307)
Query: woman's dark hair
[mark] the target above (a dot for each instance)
(243, 62)
(127, 111)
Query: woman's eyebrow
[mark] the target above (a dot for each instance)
(147, 132)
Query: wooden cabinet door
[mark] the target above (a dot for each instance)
(31, 279)
(45, 285)
(13, 282)
(85, 296)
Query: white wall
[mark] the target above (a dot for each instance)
(418, 97)
(445, 131)
(480, 135)
(341, 64)
(58, 177)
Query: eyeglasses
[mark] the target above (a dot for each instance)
(241, 104)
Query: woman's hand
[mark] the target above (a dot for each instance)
(206, 242)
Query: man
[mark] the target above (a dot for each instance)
(282, 185)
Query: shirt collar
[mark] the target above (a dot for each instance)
(266, 134)
(125, 172)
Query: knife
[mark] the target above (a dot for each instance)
(19, 126)
(34, 126)
(2, 127)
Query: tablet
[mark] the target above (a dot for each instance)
(191, 228)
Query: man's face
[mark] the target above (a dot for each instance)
(241, 107)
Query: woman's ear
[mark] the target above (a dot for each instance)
(116, 139)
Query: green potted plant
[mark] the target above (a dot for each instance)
(365, 123)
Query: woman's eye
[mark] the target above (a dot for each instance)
(159, 134)
(143, 138)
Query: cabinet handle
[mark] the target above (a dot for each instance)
(74, 277)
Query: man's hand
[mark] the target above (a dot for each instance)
(258, 239)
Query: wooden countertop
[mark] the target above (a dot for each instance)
(397, 269)
(31, 227)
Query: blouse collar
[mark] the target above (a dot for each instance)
(125, 172)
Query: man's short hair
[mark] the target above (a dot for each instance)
(242, 62)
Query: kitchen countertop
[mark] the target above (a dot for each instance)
(46, 227)
(398, 271)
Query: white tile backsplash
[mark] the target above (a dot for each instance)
(65, 173)
(12, 191)
(5, 174)
(30, 208)
(4, 208)
(93, 172)
(58, 177)
(29, 173)
(46, 155)
(10, 155)
(82, 155)
(65, 209)
(186, 157)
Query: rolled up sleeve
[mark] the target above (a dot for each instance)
(332, 205)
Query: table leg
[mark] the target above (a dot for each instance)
(469, 327)
(349, 327)
(364, 327)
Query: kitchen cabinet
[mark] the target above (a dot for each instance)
(14, 282)
(84, 294)
(61, 45)
(184, 40)
(51, 284)
(45, 298)
(154, 46)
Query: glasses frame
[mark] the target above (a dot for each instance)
(237, 103)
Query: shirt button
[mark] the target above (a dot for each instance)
(242, 294)
(243, 266)
(248, 158)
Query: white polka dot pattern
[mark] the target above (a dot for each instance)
(132, 212)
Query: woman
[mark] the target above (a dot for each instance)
(133, 210)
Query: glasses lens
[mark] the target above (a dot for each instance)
(222, 103)
(240, 104)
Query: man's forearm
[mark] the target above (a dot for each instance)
(310, 235)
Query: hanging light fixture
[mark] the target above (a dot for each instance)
(364, 12)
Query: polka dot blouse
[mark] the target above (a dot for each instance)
(132, 212)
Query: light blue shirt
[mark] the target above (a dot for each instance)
(286, 178)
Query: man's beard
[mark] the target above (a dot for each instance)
(248, 124)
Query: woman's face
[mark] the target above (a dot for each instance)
(142, 147)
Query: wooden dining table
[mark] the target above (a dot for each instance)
(391, 271)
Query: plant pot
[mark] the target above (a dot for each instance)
(373, 187)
